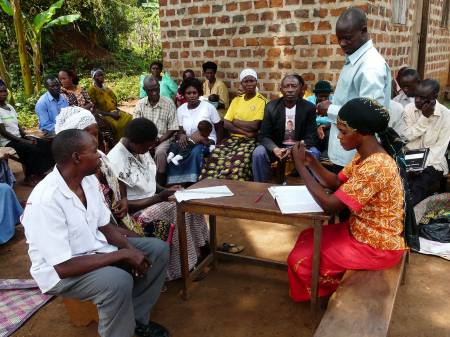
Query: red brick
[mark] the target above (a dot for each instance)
(275, 75)
(274, 52)
(238, 42)
(164, 24)
(301, 65)
(266, 16)
(204, 9)
(306, 26)
(186, 22)
(176, 44)
(308, 2)
(266, 41)
(239, 64)
(231, 6)
(260, 52)
(245, 52)
(337, 11)
(170, 12)
(224, 65)
(243, 6)
(188, 64)
(175, 23)
(283, 15)
(244, 30)
(283, 41)
(186, 44)
(184, 54)
(210, 20)
(252, 64)
(324, 25)
(251, 41)
(319, 65)
(165, 44)
(173, 54)
(195, 53)
(261, 4)
(163, 3)
(208, 54)
(275, 28)
(292, 2)
(301, 40)
(289, 51)
(218, 32)
(199, 43)
(309, 77)
(326, 77)
(252, 17)
(321, 13)
(212, 43)
(334, 39)
(225, 42)
(268, 64)
(231, 53)
(318, 39)
(307, 52)
(284, 65)
(193, 10)
(275, 3)
(224, 19)
(269, 86)
(291, 27)
(324, 52)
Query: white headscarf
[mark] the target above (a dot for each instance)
(247, 72)
(74, 117)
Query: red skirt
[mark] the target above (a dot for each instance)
(340, 251)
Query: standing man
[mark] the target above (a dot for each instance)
(49, 105)
(286, 120)
(426, 124)
(76, 252)
(163, 113)
(214, 89)
(365, 74)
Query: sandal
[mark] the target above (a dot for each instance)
(231, 248)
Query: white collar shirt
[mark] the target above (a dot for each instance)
(365, 74)
(137, 172)
(58, 227)
(403, 99)
(433, 133)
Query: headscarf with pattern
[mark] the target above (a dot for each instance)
(74, 117)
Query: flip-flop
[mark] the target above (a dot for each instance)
(231, 248)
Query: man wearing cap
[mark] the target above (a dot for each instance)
(214, 89)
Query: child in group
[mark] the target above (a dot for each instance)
(176, 153)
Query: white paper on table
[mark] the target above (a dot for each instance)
(429, 247)
(203, 193)
(294, 199)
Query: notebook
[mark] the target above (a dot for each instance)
(294, 199)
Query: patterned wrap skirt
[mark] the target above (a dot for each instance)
(197, 234)
(231, 160)
(340, 251)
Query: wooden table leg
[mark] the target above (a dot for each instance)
(213, 238)
(316, 265)
(181, 223)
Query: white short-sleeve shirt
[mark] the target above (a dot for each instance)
(58, 227)
(9, 119)
(189, 118)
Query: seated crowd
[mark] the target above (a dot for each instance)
(114, 253)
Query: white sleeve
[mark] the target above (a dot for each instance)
(215, 117)
(333, 111)
(46, 229)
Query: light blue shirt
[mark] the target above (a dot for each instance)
(365, 74)
(320, 120)
(47, 108)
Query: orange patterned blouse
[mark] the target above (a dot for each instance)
(373, 191)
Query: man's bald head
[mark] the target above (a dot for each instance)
(351, 30)
(151, 87)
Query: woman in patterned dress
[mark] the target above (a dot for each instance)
(147, 201)
(232, 159)
(371, 186)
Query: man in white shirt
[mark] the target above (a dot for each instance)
(408, 80)
(426, 124)
(75, 251)
(365, 74)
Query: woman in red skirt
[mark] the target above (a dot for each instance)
(370, 186)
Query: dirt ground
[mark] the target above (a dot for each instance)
(242, 300)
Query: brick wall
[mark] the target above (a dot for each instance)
(276, 37)
(438, 46)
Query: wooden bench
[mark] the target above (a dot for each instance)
(363, 303)
(81, 313)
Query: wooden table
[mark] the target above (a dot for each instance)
(242, 205)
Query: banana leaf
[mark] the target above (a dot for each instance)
(45, 17)
(6, 6)
(63, 20)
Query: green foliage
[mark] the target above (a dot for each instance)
(25, 109)
(6, 7)
(125, 87)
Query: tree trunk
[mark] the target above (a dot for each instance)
(21, 46)
(6, 78)
(37, 61)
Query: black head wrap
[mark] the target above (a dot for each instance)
(367, 116)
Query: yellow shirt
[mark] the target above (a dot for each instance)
(220, 89)
(246, 111)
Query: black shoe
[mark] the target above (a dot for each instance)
(152, 329)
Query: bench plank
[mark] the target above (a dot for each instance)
(363, 303)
